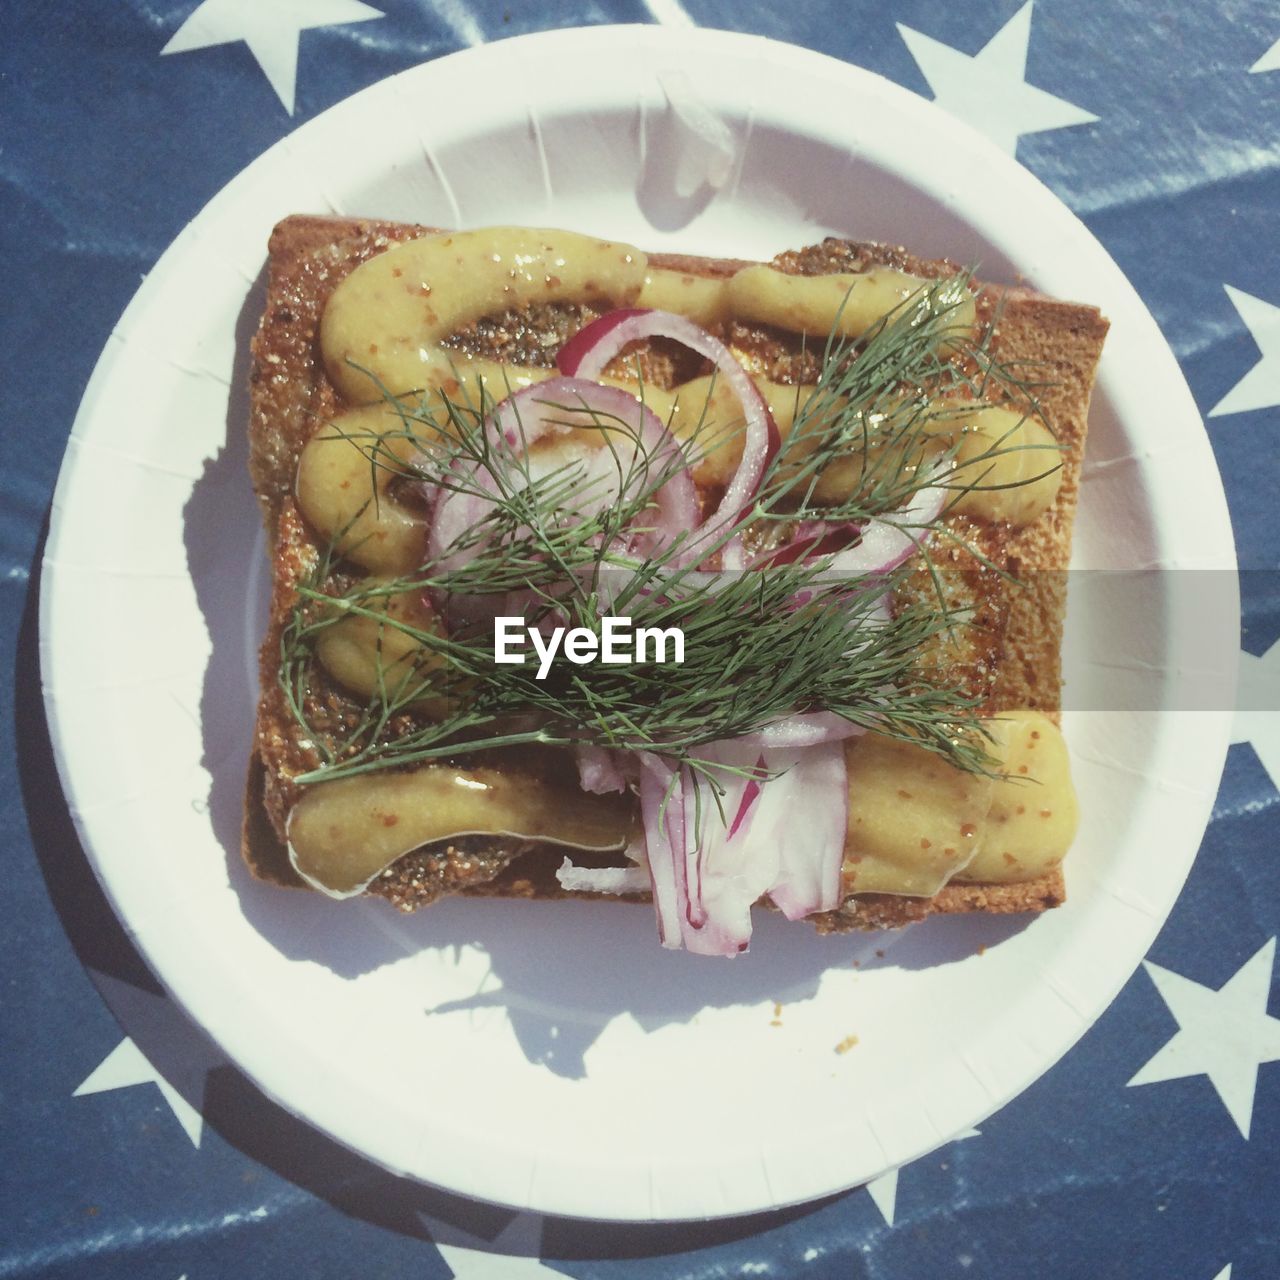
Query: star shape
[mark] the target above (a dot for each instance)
(511, 1255)
(1224, 1274)
(884, 1189)
(669, 13)
(183, 1053)
(1260, 387)
(989, 89)
(271, 28)
(1270, 61)
(1257, 720)
(126, 1065)
(1225, 1034)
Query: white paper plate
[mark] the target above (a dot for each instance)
(550, 1056)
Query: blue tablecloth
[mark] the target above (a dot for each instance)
(130, 1148)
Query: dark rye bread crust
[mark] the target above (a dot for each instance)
(291, 396)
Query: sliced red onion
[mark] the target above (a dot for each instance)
(780, 836)
(577, 879)
(726, 870)
(573, 358)
(587, 353)
(750, 794)
(891, 540)
(777, 828)
(555, 407)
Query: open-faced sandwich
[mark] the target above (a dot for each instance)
(703, 582)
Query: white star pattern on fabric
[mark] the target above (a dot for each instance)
(271, 29)
(1225, 1034)
(884, 1189)
(124, 1066)
(884, 1192)
(185, 1054)
(457, 16)
(669, 13)
(988, 89)
(1260, 387)
(1224, 1274)
(510, 1255)
(1257, 719)
(1270, 61)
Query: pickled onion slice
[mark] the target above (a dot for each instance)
(587, 353)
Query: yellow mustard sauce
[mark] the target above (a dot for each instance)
(343, 833)
(916, 821)
(1033, 816)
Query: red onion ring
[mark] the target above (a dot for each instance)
(587, 353)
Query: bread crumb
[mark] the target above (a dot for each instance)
(846, 1044)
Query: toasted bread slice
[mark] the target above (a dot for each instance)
(291, 396)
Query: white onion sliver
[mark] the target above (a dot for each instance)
(808, 729)
(575, 879)
(662, 809)
(600, 770)
(815, 788)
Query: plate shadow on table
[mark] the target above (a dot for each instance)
(230, 1103)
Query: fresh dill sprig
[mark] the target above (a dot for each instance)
(759, 645)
